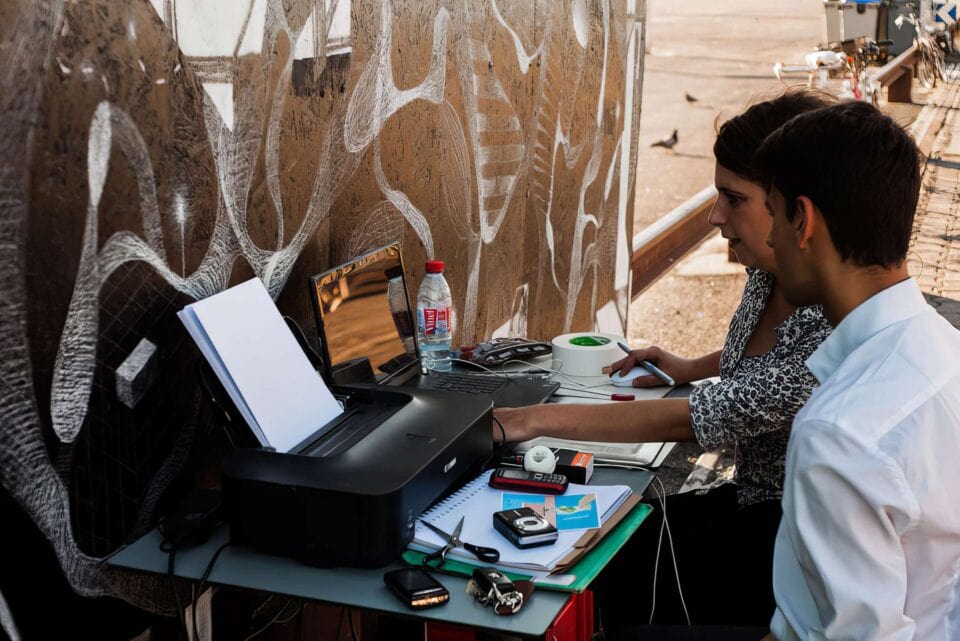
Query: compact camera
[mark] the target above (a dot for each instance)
(524, 528)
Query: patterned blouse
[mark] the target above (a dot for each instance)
(752, 407)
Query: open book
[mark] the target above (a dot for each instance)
(259, 362)
(477, 501)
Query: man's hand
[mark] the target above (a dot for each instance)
(768, 637)
(678, 368)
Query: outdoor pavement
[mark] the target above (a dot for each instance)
(935, 246)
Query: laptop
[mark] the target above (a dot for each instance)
(366, 328)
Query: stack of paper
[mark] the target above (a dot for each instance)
(477, 502)
(257, 359)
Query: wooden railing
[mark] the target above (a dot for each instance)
(658, 246)
(897, 76)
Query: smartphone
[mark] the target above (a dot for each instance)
(416, 588)
(506, 478)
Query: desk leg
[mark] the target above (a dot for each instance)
(575, 621)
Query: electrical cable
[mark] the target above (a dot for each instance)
(353, 630)
(503, 432)
(275, 619)
(171, 561)
(664, 525)
(343, 611)
(202, 586)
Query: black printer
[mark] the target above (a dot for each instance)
(350, 495)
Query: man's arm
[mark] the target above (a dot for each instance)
(662, 419)
(841, 572)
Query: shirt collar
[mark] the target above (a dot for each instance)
(885, 308)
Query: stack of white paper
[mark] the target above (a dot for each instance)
(251, 349)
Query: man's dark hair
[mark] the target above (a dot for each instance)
(859, 168)
(739, 138)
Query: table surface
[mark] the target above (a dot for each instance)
(353, 587)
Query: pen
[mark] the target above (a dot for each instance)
(656, 371)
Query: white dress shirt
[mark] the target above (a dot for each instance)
(869, 544)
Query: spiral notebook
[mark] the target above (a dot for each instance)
(477, 501)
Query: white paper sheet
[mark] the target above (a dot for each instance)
(252, 351)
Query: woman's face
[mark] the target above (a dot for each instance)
(740, 214)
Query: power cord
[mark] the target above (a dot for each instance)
(503, 432)
(276, 618)
(353, 630)
(664, 525)
(202, 586)
(171, 561)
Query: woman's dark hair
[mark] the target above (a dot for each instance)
(739, 138)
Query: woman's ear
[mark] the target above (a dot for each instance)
(804, 221)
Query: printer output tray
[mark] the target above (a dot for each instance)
(354, 501)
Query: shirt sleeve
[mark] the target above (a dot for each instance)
(753, 402)
(839, 568)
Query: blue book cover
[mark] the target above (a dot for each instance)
(565, 512)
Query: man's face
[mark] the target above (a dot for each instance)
(792, 269)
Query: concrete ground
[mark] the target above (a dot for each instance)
(710, 50)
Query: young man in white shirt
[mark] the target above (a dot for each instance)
(869, 543)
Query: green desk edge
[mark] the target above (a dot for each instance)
(585, 570)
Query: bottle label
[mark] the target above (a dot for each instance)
(435, 320)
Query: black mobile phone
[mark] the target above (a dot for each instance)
(416, 587)
(506, 478)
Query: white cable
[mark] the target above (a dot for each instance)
(502, 374)
(664, 525)
(547, 369)
(273, 620)
(656, 561)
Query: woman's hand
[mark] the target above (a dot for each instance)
(681, 370)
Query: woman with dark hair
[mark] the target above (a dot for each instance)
(728, 531)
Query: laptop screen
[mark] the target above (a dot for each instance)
(363, 311)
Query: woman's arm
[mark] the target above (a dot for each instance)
(662, 419)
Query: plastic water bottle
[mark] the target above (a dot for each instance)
(399, 308)
(434, 319)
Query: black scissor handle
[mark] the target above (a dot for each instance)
(440, 556)
(490, 555)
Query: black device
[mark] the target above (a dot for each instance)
(498, 351)
(193, 521)
(508, 478)
(524, 528)
(488, 579)
(362, 310)
(349, 495)
(416, 588)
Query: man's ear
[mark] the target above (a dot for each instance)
(804, 221)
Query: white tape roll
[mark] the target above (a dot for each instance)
(586, 354)
(540, 458)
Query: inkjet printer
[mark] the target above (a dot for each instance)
(350, 495)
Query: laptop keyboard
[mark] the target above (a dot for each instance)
(462, 383)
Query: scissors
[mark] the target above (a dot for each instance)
(489, 555)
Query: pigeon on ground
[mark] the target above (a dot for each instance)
(690, 98)
(667, 143)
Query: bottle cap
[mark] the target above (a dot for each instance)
(434, 266)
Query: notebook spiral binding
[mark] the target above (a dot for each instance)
(453, 502)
